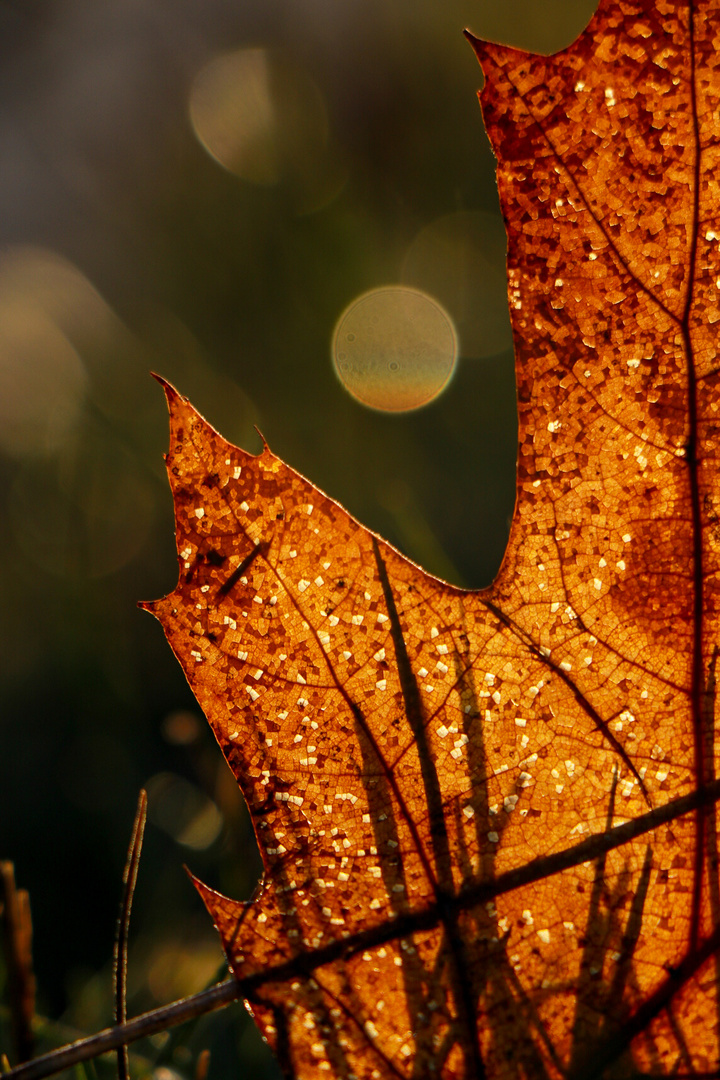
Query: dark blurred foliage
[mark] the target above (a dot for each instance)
(126, 247)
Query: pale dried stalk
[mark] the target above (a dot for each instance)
(17, 925)
(123, 926)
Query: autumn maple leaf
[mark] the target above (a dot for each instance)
(488, 819)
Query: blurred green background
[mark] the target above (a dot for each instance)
(139, 232)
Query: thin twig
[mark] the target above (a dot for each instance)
(176, 1039)
(17, 926)
(123, 926)
(303, 964)
(141, 1027)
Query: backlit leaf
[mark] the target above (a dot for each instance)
(488, 818)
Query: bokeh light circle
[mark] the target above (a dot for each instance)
(43, 380)
(260, 116)
(394, 349)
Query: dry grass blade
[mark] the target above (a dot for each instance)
(17, 932)
(123, 924)
(202, 1065)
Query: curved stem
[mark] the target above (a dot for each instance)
(111, 1038)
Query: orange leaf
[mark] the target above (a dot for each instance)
(488, 819)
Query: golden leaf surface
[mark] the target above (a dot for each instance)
(487, 819)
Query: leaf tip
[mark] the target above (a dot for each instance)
(479, 47)
(221, 909)
(207, 894)
(171, 393)
(477, 44)
(262, 437)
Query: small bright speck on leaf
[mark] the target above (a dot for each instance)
(394, 349)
